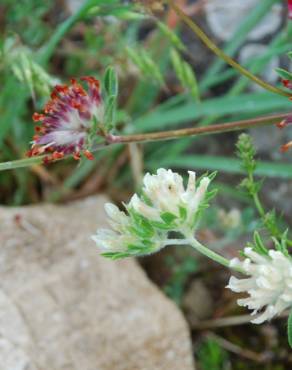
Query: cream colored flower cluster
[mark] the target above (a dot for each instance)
(167, 194)
(165, 206)
(269, 283)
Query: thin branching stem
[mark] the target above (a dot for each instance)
(213, 47)
(212, 254)
(159, 136)
(196, 131)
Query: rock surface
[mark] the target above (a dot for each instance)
(224, 18)
(198, 303)
(63, 307)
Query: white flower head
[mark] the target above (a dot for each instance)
(269, 284)
(166, 194)
(165, 206)
(125, 238)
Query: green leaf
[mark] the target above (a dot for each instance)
(211, 194)
(122, 13)
(289, 329)
(168, 217)
(111, 87)
(182, 213)
(110, 82)
(251, 104)
(259, 245)
(284, 241)
(177, 63)
(284, 74)
(115, 255)
(225, 164)
(191, 81)
(185, 74)
(172, 36)
(281, 245)
(141, 231)
(148, 68)
(161, 225)
(110, 112)
(277, 244)
(136, 248)
(212, 175)
(142, 227)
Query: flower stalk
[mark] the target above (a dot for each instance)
(212, 255)
(194, 243)
(158, 136)
(196, 131)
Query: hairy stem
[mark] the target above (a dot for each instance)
(210, 44)
(20, 163)
(176, 242)
(193, 242)
(196, 131)
(273, 229)
(211, 254)
(159, 136)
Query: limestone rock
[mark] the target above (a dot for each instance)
(224, 17)
(63, 307)
(198, 303)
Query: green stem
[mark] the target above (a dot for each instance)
(258, 204)
(20, 163)
(193, 242)
(159, 136)
(210, 44)
(273, 229)
(211, 254)
(255, 196)
(176, 242)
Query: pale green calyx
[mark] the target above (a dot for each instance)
(165, 206)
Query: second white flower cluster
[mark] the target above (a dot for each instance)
(164, 206)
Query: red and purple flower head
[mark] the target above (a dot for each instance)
(67, 120)
(290, 9)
